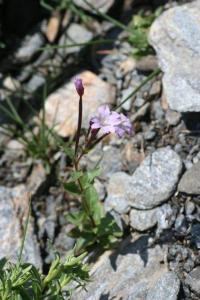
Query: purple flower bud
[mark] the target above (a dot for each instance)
(79, 86)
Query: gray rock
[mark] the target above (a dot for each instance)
(109, 158)
(63, 242)
(126, 274)
(51, 217)
(181, 224)
(190, 181)
(167, 287)
(13, 213)
(36, 82)
(162, 216)
(175, 35)
(172, 117)
(139, 102)
(195, 235)
(116, 199)
(142, 220)
(155, 89)
(147, 63)
(29, 48)
(76, 34)
(125, 94)
(157, 110)
(101, 5)
(117, 204)
(193, 280)
(154, 181)
(149, 135)
(37, 180)
(189, 208)
(100, 188)
(165, 217)
(11, 84)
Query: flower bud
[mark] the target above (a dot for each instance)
(79, 86)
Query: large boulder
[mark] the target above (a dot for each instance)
(175, 35)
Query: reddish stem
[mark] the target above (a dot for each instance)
(80, 114)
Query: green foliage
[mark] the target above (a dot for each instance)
(25, 282)
(92, 225)
(40, 141)
(140, 27)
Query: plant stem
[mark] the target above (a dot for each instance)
(84, 203)
(25, 233)
(80, 113)
(151, 76)
(98, 140)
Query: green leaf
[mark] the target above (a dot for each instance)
(76, 175)
(86, 240)
(91, 175)
(76, 218)
(92, 205)
(3, 261)
(108, 226)
(88, 177)
(72, 188)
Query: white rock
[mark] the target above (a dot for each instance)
(175, 35)
(155, 179)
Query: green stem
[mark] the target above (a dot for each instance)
(25, 233)
(151, 76)
(101, 41)
(108, 18)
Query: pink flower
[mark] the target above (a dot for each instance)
(110, 122)
(79, 86)
(125, 126)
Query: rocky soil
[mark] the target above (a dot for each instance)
(149, 182)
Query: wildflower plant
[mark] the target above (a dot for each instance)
(140, 26)
(23, 281)
(91, 224)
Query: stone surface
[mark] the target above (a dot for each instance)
(175, 35)
(195, 235)
(193, 280)
(142, 220)
(29, 48)
(76, 34)
(125, 94)
(172, 117)
(36, 82)
(13, 213)
(167, 287)
(162, 216)
(154, 181)
(116, 198)
(127, 274)
(37, 180)
(62, 106)
(101, 5)
(108, 158)
(147, 63)
(165, 217)
(190, 181)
